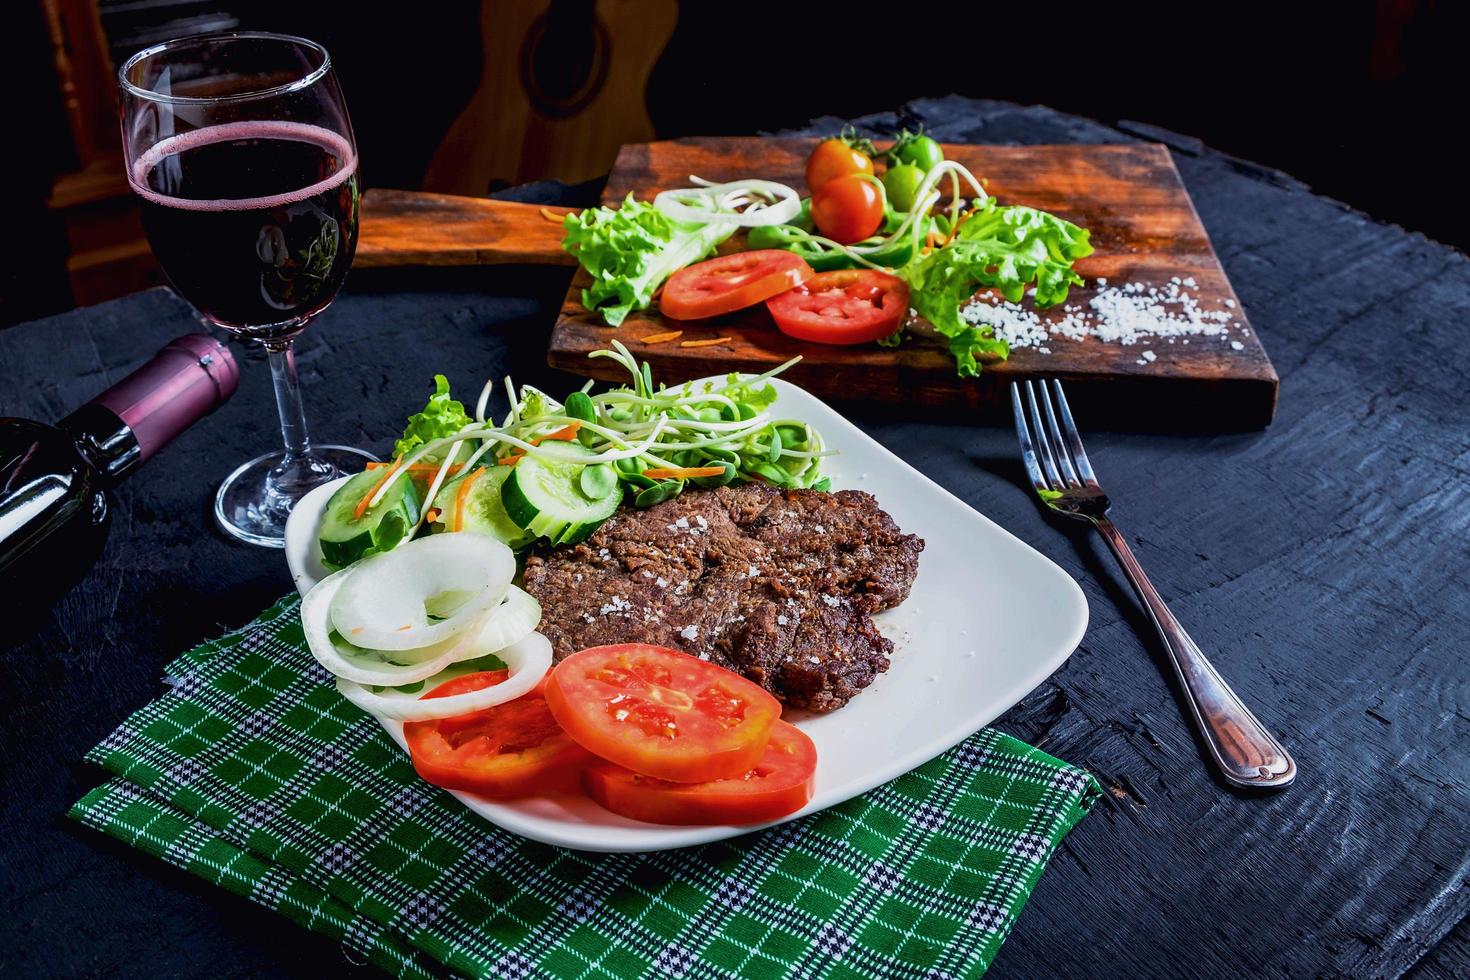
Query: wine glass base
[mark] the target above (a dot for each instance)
(254, 501)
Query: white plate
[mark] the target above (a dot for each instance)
(988, 620)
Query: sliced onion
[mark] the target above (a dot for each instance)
(528, 660)
(772, 204)
(512, 620)
(383, 603)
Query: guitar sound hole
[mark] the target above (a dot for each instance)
(564, 58)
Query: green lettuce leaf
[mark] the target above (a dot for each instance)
(1001, 248)
(441, 417)
(631, 250)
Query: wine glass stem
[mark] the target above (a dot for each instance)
(288, 399)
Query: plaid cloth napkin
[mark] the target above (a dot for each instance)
(253, 773)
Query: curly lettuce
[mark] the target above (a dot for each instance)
(1001, 248)
(629, 252)
(442, 416)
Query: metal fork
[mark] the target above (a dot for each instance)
(1247, 754)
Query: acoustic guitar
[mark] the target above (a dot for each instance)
(563, 88)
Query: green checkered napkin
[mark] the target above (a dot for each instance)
(254, 773)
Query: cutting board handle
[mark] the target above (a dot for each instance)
(401, 228)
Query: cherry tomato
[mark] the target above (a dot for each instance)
(922, 152)
(507, 751)
(780, 783)
(662, 713)
(847, 209)
(731, 282)
(845, 306)
(902, 181)
(834, 158)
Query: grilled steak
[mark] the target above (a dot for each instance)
(776, 585)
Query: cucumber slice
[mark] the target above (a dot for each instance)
(483, 511)
(547, 498)
(345, 538)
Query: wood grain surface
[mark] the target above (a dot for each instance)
(1319, 562)
(407, 228)
(1144, 229)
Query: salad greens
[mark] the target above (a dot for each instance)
(442, 416)
(1002, 248)
(631, 250)
(639, 442)
(945, 254)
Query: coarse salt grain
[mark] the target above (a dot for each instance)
(615, 605)
(690, 632)
(1125, 314)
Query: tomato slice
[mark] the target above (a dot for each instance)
(731, 282)
(844, 306)
(662, 713)
(507, 751)
(780, 783)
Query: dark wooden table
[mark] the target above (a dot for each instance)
(1322, 563)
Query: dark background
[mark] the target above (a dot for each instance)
(1360, 100)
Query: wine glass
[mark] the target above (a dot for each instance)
(240, 148)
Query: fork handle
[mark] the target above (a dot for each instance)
(1247, 754)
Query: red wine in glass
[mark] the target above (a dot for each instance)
(255, 222)
(239, 146)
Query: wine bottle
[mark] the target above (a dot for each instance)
(54, 511)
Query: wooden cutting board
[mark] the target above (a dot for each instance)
(1144, 229)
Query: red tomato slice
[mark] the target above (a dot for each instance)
(844, 306)
(731, 282)
(661, 712)
(780, 783)
(507, 751)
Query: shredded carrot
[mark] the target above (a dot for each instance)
(959, 223)
(682, 472)
(704, 343)
(419, 467)
(551, 215)
(362, 505)
(405, 626)
(461, 496)
(660, 338)
(431, 515)
(929, 239)
(566, 433)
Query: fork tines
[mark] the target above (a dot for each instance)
(1052, 452)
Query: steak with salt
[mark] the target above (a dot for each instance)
(777, 585)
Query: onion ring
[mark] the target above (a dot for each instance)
(528, 659)
(423, 592)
